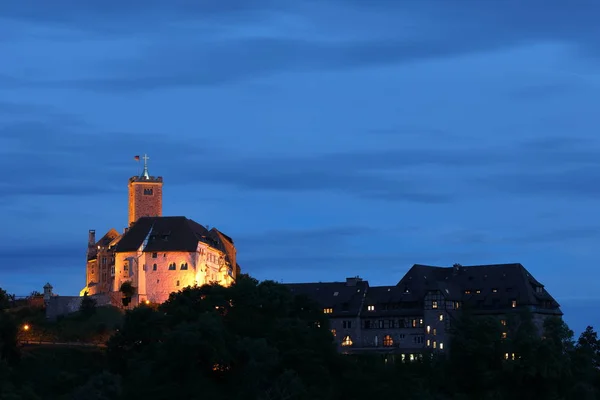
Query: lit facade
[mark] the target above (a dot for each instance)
(158, 255)
(416, 314)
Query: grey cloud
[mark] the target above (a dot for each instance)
(128, 16)
(570, 183)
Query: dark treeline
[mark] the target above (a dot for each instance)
(256, 341)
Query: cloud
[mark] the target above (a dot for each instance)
(127, 16)
(400, 32)
(62, 155)
(570, 183)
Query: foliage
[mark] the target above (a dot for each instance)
(88, 305)
(255, 340)
(4, 299)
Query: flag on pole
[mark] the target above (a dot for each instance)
(136, 158)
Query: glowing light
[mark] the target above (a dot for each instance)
(26, 327)
(147, 302)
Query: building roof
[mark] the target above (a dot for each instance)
(345, 298)
(481, 286)
(484, 285)
(165, 234)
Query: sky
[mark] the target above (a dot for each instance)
(329, 138)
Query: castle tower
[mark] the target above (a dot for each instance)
(145, 194)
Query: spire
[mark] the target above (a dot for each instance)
(145, 174)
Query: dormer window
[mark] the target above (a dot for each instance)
(539, 289)
(478, 291)
(494, 290)
(184, 266)
(328, 311)
(370, 308)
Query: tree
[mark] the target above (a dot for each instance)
(250, 340)
(128, 290)
(4, 299)
(87, 306)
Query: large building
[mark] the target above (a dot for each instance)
(416, 313)
(158, 255)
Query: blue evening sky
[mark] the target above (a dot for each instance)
(329, 138)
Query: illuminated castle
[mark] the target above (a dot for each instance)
(158, 255)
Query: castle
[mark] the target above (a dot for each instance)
(157, 255)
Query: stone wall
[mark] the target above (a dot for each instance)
(144, 205)
(63, 305)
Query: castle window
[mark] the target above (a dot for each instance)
(428, 342)
(381, 324)
(103, 260)
(347, 341)
(333, 332)
(154, 266)
(418, 339)
(177, 283)
(514, 303)
(327, 310)
(494, 290)
(434, 304)
(125, 267)
(478, 291)
(154, 255)
(388, 341)
(428, 329)
(434, 344)
(441, 346)
(503, 322)
(367, 324)
(504, 334)
(347, 324)
(441, 317)
(370, 308)
(148, 192)
(434, 331)
(184, 266)
(467, 291)
(392, 324)
(172, 267)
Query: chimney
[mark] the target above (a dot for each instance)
(456, 269)
(91, 237)
(353, 281)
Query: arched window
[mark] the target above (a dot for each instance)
(172, 267)
(347, 341)
(184, 266)
(388, 341)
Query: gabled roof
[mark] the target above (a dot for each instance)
(167, 234)
(497, 284)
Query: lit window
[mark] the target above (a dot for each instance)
(421, 322)
(434, 344)
(441, 317)
(434, 304)
(428, 342)
(478, 291)
(333, 332)
(327, 310)
(503, 322)
(457, 305)
(388, 341)
(434, 331)
(411, 357)
(467, 291)
(441, 346)
(504, 334)
(494, 290)
(370, 308)
(414, 323)
(428, 329)
(347, 341)
(514, 303)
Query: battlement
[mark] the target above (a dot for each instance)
(142, 179)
